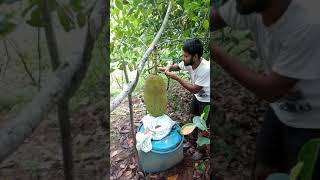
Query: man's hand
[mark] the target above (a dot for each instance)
(171, 75)
(167, 69)
(190, 87)
(170, 68)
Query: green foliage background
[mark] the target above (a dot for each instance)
(135, 23)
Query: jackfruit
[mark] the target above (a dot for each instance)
(155, 95)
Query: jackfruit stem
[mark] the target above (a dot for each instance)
(155, 61)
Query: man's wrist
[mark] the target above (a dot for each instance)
(175, 77)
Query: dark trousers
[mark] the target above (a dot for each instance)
(197, 106)
(278, 145)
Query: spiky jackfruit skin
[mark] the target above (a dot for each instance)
(155, 95)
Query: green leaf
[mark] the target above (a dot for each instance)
(207, 3)
(135, 23)
(5, 25)
(308, 155)
(36, 18)
(119, 34)
(66, 21)
(235, 40)
(118, 4)
(202, 167)
(187, 128)
(206, 25)
(190, 15)
(186, 4)
(295, 171)
(195, 18)
(131, 67)
(121, 66)
(205, 113)
(200, 123)
(111, 46)
(76, 5)
(6, 28)
(160, 7)
(27, 9)
(130, 11)
(81, 18)
(202, 141)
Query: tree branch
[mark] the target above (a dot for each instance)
(21, 57)
(3, 71)
(131, 115)
(50, 36)
(39, 58)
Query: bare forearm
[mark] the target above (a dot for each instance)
(263, 86)
(190, 87)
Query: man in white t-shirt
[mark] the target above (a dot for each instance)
(199, 71)
(287, 36)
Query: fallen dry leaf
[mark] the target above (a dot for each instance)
(87, 156)
(130, 142)
(128, 173)
(173, 177)
(120, 157)
(115, 153)
(120, 173)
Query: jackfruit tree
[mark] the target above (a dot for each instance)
(134, 26)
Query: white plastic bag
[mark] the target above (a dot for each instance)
(156, 128)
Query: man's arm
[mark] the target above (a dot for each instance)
(190, 87)
(270, 87)
(174, 67)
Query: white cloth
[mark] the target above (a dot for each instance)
(289, 47)
(201, 77)
(157, 127)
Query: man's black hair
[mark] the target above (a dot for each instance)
(193, 47)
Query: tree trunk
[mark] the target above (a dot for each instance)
(63, 109)
(66, 139)
(39, 58)
(131, 116)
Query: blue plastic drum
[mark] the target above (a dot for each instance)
(165, 153)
